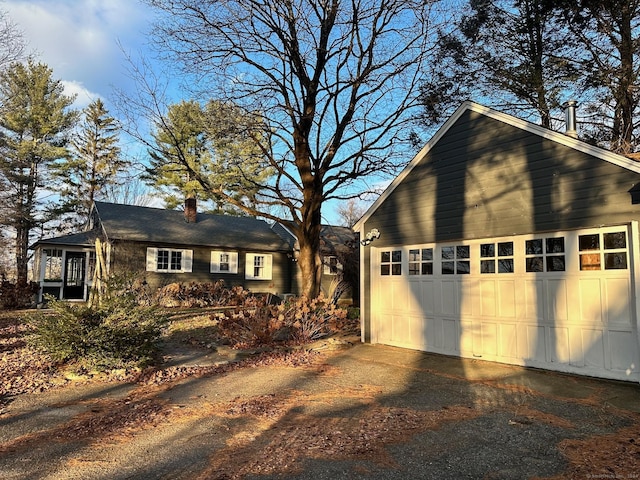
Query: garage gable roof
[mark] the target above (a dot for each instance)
(552, 135)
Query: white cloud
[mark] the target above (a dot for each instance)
(83, 96)
(79, 39)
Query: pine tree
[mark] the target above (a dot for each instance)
(211, 146)
(92, 167)
(35, 123)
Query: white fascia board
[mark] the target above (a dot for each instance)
(552, 135)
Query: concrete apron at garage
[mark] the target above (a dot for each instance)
(623, 395)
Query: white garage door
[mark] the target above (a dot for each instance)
(563, 301)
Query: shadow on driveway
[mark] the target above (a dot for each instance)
(361, 412)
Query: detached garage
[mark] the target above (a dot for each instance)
(508, 242)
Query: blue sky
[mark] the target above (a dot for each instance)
(83, 42)
(79, 40)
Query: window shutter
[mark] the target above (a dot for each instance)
(152, 259)
(187, 260)
(215, 262)
(268, 267)
(233, 262)
(248, 266)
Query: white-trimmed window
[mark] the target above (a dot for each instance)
(169, 260)
(502, 256)
(391, 262)
(331, 265)
(455, 260)
(421, 261)
(545, 255)
(258, 266)
(224, 262)
(603, 249)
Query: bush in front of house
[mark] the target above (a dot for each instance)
(299, 320)
(117, 334)
(200, 295)
(17, 295)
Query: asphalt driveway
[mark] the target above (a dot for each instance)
(361, 412)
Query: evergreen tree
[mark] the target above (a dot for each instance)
(93, 166)
(511, 54)
(608, 32)
(215, 141)
(35, 123)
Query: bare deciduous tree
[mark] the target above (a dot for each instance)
(12, 44)
(333, 80)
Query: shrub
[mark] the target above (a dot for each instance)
(117, 334)
(200, 295)
(299, 320)
(17, 295)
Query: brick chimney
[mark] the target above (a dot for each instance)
(190, 210)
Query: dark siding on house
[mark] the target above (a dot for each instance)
(485, 178)
(132, 257)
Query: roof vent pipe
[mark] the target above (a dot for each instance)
(570, 118)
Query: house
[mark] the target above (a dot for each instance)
(505, 241)
(167, 246)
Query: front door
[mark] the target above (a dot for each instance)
(74, 276)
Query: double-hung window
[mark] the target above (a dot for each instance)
(258, 266)
(224, 262)
(331, 265)
(169, 260)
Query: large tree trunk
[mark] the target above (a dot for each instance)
(310, 260)
(623, 118)
(22, 255)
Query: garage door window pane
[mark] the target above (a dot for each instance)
(487, 266)
(488, 250)
(448, 253)
(589, 242)
(615, 261)
(555, 264)
(615, 240)
(590, 261)
(505, 265)
(555, 245)
(535, 264)
(505, 249)
(533, 247)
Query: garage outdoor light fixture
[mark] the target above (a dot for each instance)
(370, 237)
